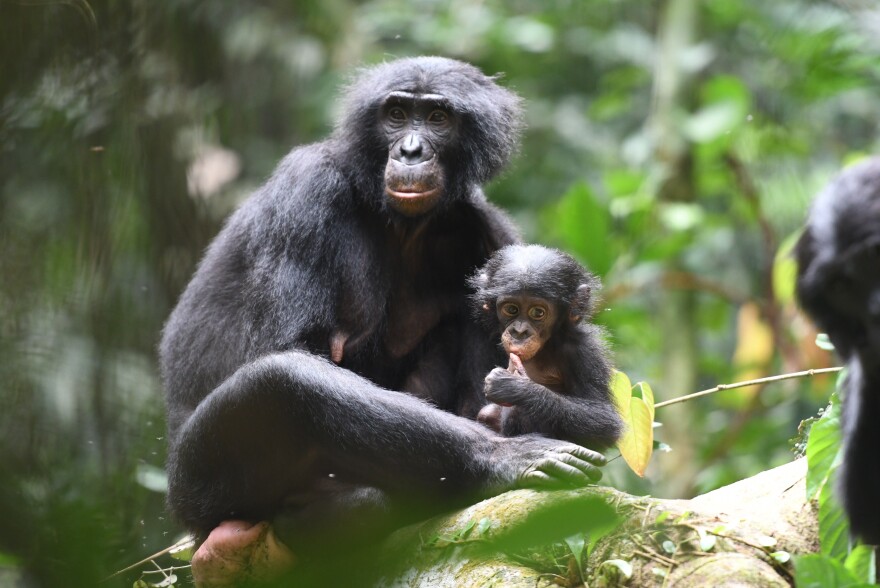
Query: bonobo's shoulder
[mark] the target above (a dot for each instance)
(499, 227)
(308, 181)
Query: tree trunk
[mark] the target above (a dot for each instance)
(723, 538)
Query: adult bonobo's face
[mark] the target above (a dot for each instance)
(418, 128)
(527, 323)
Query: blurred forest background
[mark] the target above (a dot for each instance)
(673, 146)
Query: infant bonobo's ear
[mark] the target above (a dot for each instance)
(580, 305)
(479, 282)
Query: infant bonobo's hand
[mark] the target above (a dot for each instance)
(505, 387)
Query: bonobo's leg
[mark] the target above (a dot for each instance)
(286, 420)
(334, 517)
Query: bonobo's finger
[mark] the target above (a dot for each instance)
(516, 366)
(537, 479)
(563, 472)
(593, 457)
(582, 466)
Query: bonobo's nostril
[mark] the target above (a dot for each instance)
(411, 146)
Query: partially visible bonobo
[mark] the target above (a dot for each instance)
(839, 286)
(538, 301)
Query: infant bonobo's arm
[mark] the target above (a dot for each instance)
(585, 415)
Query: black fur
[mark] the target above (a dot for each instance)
(259, 418)
(582, 408)
(839, 287)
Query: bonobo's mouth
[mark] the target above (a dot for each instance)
(414, 194)
(412, 201)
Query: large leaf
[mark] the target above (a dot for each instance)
(823, 447)
(582, 224)
(862, 563)
(819, 571)
(636, 407)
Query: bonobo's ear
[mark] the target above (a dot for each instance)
(580, 305)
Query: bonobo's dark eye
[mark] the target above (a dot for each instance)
(537, 313)
(438, 117)
(397, 114)
(510, 309)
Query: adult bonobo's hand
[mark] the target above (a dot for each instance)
(538, 462)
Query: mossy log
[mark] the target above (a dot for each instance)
(739, 535)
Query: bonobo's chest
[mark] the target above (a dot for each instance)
(427, 286)
(423, 302)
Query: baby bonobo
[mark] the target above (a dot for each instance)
(538, 300)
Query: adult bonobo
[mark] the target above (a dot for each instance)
(838, 284)
(356, 250)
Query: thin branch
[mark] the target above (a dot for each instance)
(721, 387)
(150, 558)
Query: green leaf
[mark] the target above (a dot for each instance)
(833, 525)
(576, 545)
(625, 567)
(823, 342)
(820, 571)
(662, 516)
(781, 556)
(862, 563)
(636, 407)
(582, 224)
(483, 525)
(785, 270)
(643, 390)
(823, 447)
(669, 547)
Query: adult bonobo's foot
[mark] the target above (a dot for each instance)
(238, 553)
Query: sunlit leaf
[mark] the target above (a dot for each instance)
(669, 547)
(707, 541)
(862, 563)
(621, 389)
(781, 556)
(833, 524)
(625, 567)
(483, 525)
(636, 407)
(766, 541)
(820, 571)
(823, 447)
(824, 342)
(184, 549)
(637, 442)
(785, 270)
(643, 390)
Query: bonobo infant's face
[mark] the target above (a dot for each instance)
(526, 322)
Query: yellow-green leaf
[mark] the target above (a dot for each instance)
(621, 388)
(637, 443)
